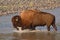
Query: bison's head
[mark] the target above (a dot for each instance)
(16, 21)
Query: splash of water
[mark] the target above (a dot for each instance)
(27, 30)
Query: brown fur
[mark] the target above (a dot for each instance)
(29, 19)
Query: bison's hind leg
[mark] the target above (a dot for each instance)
(33, 28)
(54, 26)
(48, 28)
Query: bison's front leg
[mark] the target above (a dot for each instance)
(24, 27)
(15, 26)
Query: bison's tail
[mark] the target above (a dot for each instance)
(54, 20)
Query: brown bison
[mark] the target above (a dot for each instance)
(29, 19)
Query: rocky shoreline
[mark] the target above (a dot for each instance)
(13, 6)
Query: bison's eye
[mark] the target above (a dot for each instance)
(16, 19)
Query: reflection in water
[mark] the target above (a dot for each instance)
(34, 36)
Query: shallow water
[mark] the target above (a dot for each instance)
(30, 36)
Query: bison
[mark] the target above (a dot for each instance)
(29, 19)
